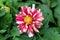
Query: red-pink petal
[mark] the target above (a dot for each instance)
(30, 31)
(19, 17)
(34, 27)
(23, 27)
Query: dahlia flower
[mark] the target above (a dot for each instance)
(29, 20)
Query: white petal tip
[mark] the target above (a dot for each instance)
(39, 10)
(20, 32)
(24, 30)
(19, 22)
(33, 5)
(30, 34)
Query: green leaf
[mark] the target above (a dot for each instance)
(16, 38)
(40, 38)
(53, 4)
(6, 21)
(7, 36)
(45, 1)
(2, 31)
(15, 32)
(2, 37)
(58, 29)
(2, 13)
(44, 27)
(51, 34)
(57, 14)
(47, 13)
(58, 1)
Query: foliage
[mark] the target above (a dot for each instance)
(51, 24)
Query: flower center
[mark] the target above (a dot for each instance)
(28, 19)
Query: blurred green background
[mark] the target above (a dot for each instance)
(51, 25)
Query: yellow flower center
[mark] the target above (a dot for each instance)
(28, 19)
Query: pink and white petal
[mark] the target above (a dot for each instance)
(37, 24)
(22, 27)
(28, 11)
(30, 31)
(39, 10)
(19, 22)
(25, 28)
(24, 13)
(41, 18)
(34, 15)
(30, 34)
(38, 15)
(19, 18)
(30, 28)
(35, 29)
(21, 32)
(24, 10)
(34, 12)
(33, 7)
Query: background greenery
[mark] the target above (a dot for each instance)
(51, 25)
